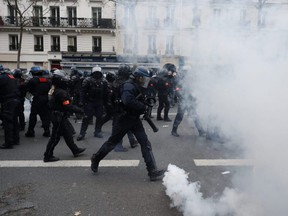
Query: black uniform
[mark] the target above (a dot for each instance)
(94, 94)
(75, 87)
(39, 87)
(60, 105)
(164, 87)
(116, 98)
(186, 102)
(9, 99)
(130, 120)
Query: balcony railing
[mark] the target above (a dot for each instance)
(60, 22)
(38, 47)
(72, 48)
(13, 47)
(97, 49)
(55, 48)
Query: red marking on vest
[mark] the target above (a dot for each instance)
(67, 102)
(10, 76)
(42, 79)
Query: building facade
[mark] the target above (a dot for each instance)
(57, 33)
(83, 33)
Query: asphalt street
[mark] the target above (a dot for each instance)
(28, 186)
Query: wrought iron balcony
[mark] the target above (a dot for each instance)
(60, 22)
(96, 49)
(55, 48)
(13, 47)
(38, 47)
(72, 48)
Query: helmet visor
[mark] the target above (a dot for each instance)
(145, 82)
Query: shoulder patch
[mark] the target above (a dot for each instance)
(66, 102)
(43, 79)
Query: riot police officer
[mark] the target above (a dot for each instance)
(94, 94)
(9, 99)
(39, 86)
(75, 83)
(133, 107)
(124, 72)
(186, 102)
(60, 104)
(164, 87)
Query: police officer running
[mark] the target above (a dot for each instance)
(60, 105)
(133, 107)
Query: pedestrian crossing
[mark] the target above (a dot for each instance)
(115, 163)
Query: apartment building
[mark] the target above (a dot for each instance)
(58, 34)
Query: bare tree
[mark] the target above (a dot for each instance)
(21, 9)
(23, 13)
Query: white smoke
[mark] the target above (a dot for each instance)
(239, 78)
(186, 196)
(240, 82)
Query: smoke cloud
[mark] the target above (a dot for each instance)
(238, 58)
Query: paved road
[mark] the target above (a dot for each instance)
(68, 187)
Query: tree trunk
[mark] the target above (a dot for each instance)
(20, 42)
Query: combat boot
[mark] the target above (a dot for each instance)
(46, 133)
(30, 134)
(51, 159)
(79, 151)
(159, 118)
(95, 163)
(174, 132)
(156, 175)
(80, 137)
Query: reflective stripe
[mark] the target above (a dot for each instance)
(66, 102)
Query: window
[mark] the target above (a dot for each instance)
(169, 15)
(12, 14)
(96, 16)
(169, 45)
(37, 16)
(54, 16)
(72, 44)
(13, 42)
(72, 16)
(127, 44)
(38, 43)
(152, 20)
(97, 44)
(55, 43)
(151, 44)
(196, 17)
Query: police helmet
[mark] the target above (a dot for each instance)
(144, 73)
(141, 71)
(59, 79)
(74, 71)
(36, 71)
(124, 70)
(17, 73)
(97, 72)
(169, 67)
(110, 76)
